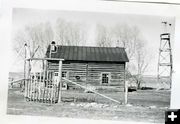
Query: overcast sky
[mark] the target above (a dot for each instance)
(150, 26)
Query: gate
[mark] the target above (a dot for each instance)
(40, 84)
(40, 87)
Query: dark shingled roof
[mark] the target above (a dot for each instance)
(86, 53)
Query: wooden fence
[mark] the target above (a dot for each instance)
(40, 88)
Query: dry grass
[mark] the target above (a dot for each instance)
(146, 106)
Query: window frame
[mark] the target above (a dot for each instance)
(57, 74)
(66, 75)
(109, 78)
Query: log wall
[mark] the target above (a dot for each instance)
(93, 74)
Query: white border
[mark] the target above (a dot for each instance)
(81, 5)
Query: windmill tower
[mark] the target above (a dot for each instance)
(165, 63)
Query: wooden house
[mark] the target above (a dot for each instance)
(97, 66)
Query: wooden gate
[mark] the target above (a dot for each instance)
(40, 85)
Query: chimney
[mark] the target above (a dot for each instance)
(53, 48)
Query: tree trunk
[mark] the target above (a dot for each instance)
(138, 82)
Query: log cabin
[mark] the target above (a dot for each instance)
(97, 66)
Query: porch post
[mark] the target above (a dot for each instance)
(26, 81)
(126, 86)
(60, 81)
(25, 71)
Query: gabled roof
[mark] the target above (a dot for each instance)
(90, 54)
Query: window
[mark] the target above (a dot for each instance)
(105, 78)
(56, 74)
(64, 74)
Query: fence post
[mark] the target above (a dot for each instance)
(126, 87)
(60, 81)
(25, 82)
(126, 92)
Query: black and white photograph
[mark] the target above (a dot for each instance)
(90, 65)
(89, 61)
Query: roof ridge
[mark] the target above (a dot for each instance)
(90, 46)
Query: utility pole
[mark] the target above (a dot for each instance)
(165, 63)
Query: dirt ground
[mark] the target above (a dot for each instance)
(143, 106)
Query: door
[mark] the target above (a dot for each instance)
(64, 75)
(55, 78)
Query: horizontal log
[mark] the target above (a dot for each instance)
(112, 71)
(106, 67)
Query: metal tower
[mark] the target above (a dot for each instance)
(165, 63)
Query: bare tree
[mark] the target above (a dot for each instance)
(131, 39)
(36, 36)
(126, 37)
(142, 61)
(70, 33)
(121, 35)
(103, 36)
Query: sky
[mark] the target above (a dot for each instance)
(150, 26)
